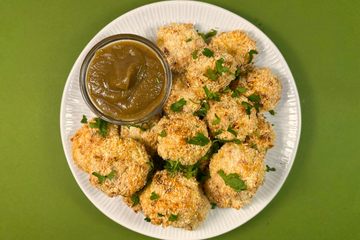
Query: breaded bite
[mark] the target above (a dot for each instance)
(178, 42)
(179, 129)
(144, 133)
(88, 145)
(242, 160)
(176, 196)
(264, 83)
(263, 138)
(238, 44)
(180, 90)
(231, 113)
(200, 66)
(128, 158)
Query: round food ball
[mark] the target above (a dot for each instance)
(88, 145)
(263, 138)
(178, 42)
(122, 168)
(180, 90)
(178, 133)
(174, 200)
(238, 44)
(242, 160)
(203, 64)
(231, 112)
(262, 82)
(145, 133)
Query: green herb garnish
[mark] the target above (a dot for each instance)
(102, 178)
(212, 96)
(154, 196)
(211, 75)
(176, 107)
(192, 170)
(268, 169)
(257, 135)
(233, 180)
(216, 121)
(194, 102)
(162, 134)
(248, 107)
(160, 215)
(173, 167)
(200, 139)
(272, 112)
(230, 130)
(218, 132)
(188, 40)
(213, 205)
(84, 119)
(211, 34)
(251, 55)
(254, 146)
(254, 98)
(207, 52)
(220, 68)
(173, 218)
(237, 92)
(194, 54)
(157, 80)
(135, 199)
(147, 219)
(101, 125)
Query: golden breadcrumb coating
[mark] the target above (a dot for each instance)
(87, 145)
(231, 112)
(173, 40)
(243, 160)
(147, 137)
(177, 196)
(238, 44)
(177, 129)
(199, 66)
(264, 136)
(180, 90)
(264, 83)
(127, 201)
(128, 158)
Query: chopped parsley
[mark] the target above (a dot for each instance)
(268, 169)
(176, 107)
(193, 101)
(216, 121)
(257, 106)
(272, 112)
(84, 119)
(211, 75)
(238, 73)
(173, 218)
(237, 92)
(203, 110)
(257, 135)
(160, 215)
(189, 40)
(162, 134)
(173, 167)
(218, 132)
(207, 52)
(200, 139)
(227, 89)
(230, 130)
(141, 127)
(248, 107)
(135, 199)
(147, 219)
(150, 163)
(212, 96)
(209, 34)
(251, 55)
(254, 146)
(192, 170)
(157, 80)
(220, 68)
(215, 146)
(101, 125)
(102, 178)
(213, 205)
(196, 126)
(254, 98)
(154, 196)
(194, 54)
(233, 180)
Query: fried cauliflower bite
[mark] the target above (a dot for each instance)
(264, 136)
(87, 145)
(199, 66)
(178, 196)
(173, 40)
(231, 112)
(128, 158)
(238, 44)
(243, 160)
(264, 83)
(147, 137)
(177, 129)
(180, 90)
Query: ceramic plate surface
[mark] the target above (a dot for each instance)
(144, 21)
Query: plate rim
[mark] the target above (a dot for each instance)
(296, 96)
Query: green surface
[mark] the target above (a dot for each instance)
(40, 41)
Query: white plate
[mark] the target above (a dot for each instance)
(144, 21)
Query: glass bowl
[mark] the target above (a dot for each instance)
(84, 69)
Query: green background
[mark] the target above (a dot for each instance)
(39, 43)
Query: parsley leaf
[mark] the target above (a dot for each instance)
(216, 144)
(135, 199)
(220, 68)
(254, 146)
(140, 126)
(213, 96)
(211, 34)
(192, 170)
(238, 73)
(173, 167)
(150, 163)
(227, 89)
(160, 215)
(154, 196)
(211, 75)
(194, 54)
(147, 219)
(213, 205)
(162, 134)
(254, 98)
(101, 125)
(207, 52)
(200, 139)
(237, 92)
(233, 180)
(216, 121)
(257, 106)
(102, 178)
(202, 35)
(251, 55)
(176, 107)
(203, 110)
(272, 112)
(218, 132)
(188, 40)
(248, 107)
(257, 135)
(173, 218)
(268, 169)
(202, 176)
(84, 119)
(194, 102)
(230, 130)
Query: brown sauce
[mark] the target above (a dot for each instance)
(126, 80)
